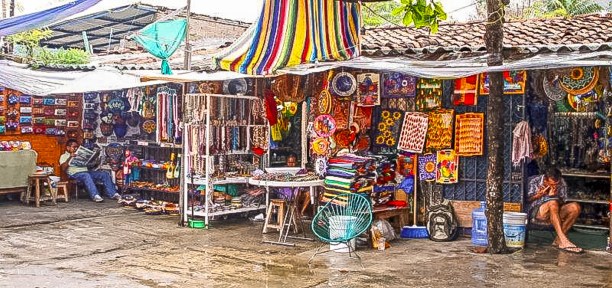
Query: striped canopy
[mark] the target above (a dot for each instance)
(292, 32)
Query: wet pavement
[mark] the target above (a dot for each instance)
(86, 244)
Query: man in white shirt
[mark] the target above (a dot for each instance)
(88, 178)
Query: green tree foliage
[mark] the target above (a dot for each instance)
(562, 8)
(380, 13)
(421, 13)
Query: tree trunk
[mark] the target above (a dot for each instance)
(12, 9)
(494, 36)
(3, 9)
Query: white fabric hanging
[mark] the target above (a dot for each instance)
(521, 143)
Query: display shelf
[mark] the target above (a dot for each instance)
(152, 169)
(226, 212)
(232, 180)
(603, 202)
(598, 227)
(152, 144)
(585, 174)
(214, 121)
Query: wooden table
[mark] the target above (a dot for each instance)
(398, 215)
(291, 204)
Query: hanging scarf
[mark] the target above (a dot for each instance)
(521, 143)
(270, 107)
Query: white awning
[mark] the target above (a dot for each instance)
(41, 83)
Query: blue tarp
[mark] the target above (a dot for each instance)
(44, 18)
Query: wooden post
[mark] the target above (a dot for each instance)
(494, 36)
(187, 62)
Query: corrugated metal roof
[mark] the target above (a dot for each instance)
(103, 29)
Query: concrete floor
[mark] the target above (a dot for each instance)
(86, 244)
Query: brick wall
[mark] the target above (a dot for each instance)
(49, 148)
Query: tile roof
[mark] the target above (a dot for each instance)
(591, 32)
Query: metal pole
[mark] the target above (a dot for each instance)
(187, 62)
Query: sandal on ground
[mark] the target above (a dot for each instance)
(571, 249)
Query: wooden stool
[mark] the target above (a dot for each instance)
(280, 204)
(37, 181)
(61, 191)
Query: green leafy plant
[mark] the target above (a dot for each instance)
(30, 39)
(421, 13)
(46, 56)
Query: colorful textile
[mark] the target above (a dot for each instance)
(368, 89)
(514, 82)
(292, 32)
(429, 94)
(414, 131)
(469, 134)
(440, 130)
(427, 167)
(447, 167)
(398, 85)
(387, 130)
(465, 91)
(43, 18)
(161, 39)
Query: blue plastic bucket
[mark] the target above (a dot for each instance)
(515, 227)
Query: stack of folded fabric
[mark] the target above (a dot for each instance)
(348, 174)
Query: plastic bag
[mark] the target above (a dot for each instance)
(385, 228)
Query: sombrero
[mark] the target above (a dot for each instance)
(235, 86)
(344, 84)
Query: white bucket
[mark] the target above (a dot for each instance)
(338, 227)
(515, 227)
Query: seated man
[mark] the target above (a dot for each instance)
(547, 194)
(83, 175)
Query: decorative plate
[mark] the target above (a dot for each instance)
(579, 80)
(344, 84)
(235, 86)
(552, 89)
(149, 126)
(209, 87)
(116, 105)
(324, 102)
(320, 146)
(321, 166)
(324, 125)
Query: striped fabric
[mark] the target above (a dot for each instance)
(293, 32)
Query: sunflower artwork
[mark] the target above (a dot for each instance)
(427, 167)
(447, 167)
(386, 131)
(440, 131)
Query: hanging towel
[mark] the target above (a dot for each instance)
(521, 143)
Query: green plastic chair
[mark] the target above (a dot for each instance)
(342, 219)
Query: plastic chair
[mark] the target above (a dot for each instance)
(342, 219)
